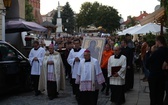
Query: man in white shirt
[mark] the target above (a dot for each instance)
(74, 57)
(116, 72)
(35, 58)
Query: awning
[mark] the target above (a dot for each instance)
(19, 26)
(155, 16)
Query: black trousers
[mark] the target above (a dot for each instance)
(35, 82)
(52, 89)
(88, 97)
(129, 79)
(117, 94)
(157, 88)
(105, 74)
(75, 87)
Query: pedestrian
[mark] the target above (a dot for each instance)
(35, 58)
(52, 78)
(156, 78)
(143, 53)
(105, 56)
(74, 57)
(89, 75)
(128, 53)
(117, 72)
(69, 46)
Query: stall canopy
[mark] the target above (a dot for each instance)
(148, 28)
(128, 30)
(19, 26)
(48, 24)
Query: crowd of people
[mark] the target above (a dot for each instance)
(64, 58)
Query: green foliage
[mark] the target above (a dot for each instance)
(151, 38)
(68, 19)
(164, 3)
(98, 15)
(132, 22)
(29, 12)
(54, 19)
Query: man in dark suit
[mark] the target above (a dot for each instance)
(128, 52)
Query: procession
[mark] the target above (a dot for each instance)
(93, 57)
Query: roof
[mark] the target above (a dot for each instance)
(138, 18)
(48, 24)
(155, 16)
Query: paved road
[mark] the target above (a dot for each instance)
(138, 96)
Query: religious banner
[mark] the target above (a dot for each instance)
(95, 45)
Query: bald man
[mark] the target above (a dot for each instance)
(89, 77)
(52, 78)
(116, 73)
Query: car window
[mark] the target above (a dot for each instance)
(7, 53)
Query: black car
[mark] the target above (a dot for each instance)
(14, 69)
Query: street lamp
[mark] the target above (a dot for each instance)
(7, 4)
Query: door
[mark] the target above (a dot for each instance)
(9, 67)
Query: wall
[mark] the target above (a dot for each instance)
(16, 11)
(1, 6)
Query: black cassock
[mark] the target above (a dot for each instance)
(129, 78)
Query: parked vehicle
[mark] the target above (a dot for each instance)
(14, 69)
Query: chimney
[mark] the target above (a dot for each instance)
(144, 11)
(140, 12)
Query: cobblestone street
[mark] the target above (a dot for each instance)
(138, 96)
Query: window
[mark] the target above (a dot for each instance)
(7, 53)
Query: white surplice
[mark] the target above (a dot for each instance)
(89, 75)
(36, 65)
(71, 60)
(51, 74)
(112, 62)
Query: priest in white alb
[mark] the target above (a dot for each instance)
(116, 73)
(74, 57)
(35, 58)
(89, 78)
(52, 78)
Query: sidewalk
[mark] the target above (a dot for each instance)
(139, 95)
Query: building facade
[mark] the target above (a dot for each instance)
(36, 10)
(48, 16)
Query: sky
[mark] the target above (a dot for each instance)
(124, 7)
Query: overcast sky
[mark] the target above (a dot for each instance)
(124, 7)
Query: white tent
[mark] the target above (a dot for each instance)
(148, 28)
(128, 30)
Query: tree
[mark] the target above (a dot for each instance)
(68, 20)
(29, 12)
(98, 15)
(132, 21)
(108, 18)
(83, 18)
(164, 3)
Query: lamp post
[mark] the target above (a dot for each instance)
(7, 4)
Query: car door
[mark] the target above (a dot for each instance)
(9, 67)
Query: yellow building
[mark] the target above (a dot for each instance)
(16, 11)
